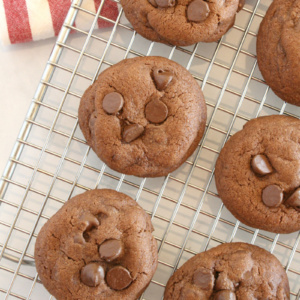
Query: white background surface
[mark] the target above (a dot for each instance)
(21, 67)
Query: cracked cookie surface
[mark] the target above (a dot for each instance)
(278, 49)
(156, 121)
(230, 271)
(258, 174)
(181, 22)
(99, 245)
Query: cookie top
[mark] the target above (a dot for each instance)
(181, 22)
(97, 246)
(228, 272)
(278, 53)
(143, 116)
(257, 174)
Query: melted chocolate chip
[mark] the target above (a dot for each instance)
(153, 3)
(260, 165)
(272, 195)
(294, 200)
(87, 223)
(204, 279)
(92, 274)
(162, 78)
(110, 250)
(89, 220)
(198, 11)
(225, 295)
(112, 103)
(78, 238)
(118, 278)
(165, 3)
(156, 111)
(132, 132)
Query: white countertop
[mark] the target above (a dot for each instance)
(21, 68)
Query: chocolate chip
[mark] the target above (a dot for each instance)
(132, 132)
(89, 220)
(92, 274)
(110, 249)
(165, 3)
(156, 111)
(260, 165)
(272, 195)
(225, 295)
(118, 278)
(294, 200)
(112, 103)
(78, 239)
(204, 279)
(162, 78)
(153, 3)
(197, 11)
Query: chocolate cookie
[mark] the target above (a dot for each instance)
(278, 49)
(97, 246)
(257, 174)
(229, 272)
(143, 116)
(181, 22)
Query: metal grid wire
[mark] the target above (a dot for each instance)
(51, 161)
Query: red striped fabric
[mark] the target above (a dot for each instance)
(58, 10)
(109, 10)
(17, 21)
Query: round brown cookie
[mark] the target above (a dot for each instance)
(143, 116)
(228, 272)
(181, 22)
(257, 174)
(278, 53)
(97, 246)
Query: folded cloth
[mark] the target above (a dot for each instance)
(31, 20)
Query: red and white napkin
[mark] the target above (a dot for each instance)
(31, 20)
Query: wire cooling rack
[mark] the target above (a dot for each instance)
(51, 161)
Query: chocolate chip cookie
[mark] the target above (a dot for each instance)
(278, 49)
(181, 22)
(97, 246)
(143, 116)
(229, 272)
(257, 174)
